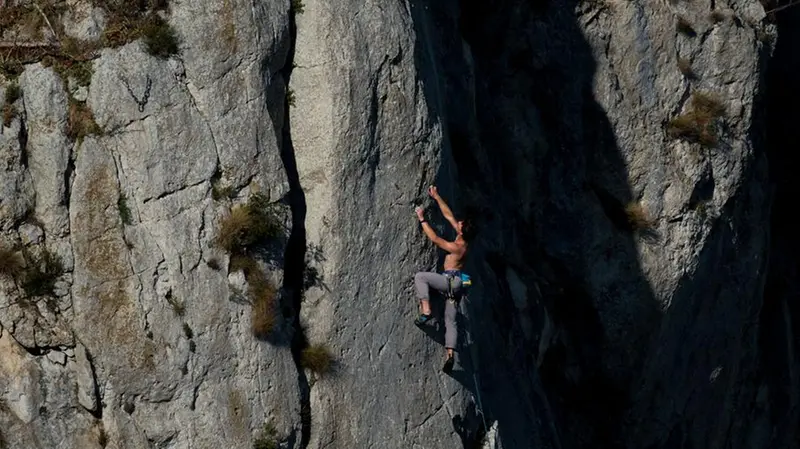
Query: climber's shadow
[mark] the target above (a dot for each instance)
(469, 427)
(522, 116)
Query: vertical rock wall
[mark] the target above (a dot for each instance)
(619, 271)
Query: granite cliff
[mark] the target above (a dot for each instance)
(207, 235)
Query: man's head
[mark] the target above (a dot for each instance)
(466, 228)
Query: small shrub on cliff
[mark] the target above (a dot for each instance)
(13, 93)
(268, 438)
(699, 124)
(122, 27)
(261, 292)
(9, 112)
(263, 297)
(317, 358)
(160, 38)
(236, 230)
(39, 276)
(219, 193)
(290, 99)
(128, 21)
(248, 224)
(80, 71)
(11, 263)
(124, 210)
(80, 121)
(38, 27)
(637, 217)
(297, 6)
(102, 437)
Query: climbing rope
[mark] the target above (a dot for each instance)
(480, 405)
(780, 8)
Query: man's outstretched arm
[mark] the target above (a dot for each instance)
(448, 214)
(428, 230)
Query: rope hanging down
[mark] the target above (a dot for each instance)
(781, 8)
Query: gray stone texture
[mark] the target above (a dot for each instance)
(543, 119)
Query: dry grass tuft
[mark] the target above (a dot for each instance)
(37, 25)
(11, 263)
(39, 36)
(268, 438)
(317, 358)
(160, 38)
(80, 121)
(262, 295)
(219, 193)
(124, 210)
(699, 124)
(290, 98)
(638, 218)
(129, 23)
(9, 112)
(40, 274)
(12, 94)
(247, 225)
(264, 312)
(235, 231)
(298, 7)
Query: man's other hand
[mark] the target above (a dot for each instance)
(420, 213)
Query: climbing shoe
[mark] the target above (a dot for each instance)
(448, 364)
(423, 319)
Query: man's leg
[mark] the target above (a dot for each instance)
(450, 333)
(423, 281)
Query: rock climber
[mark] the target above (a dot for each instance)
(449, 282)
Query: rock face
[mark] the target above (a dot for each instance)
(145, 346)
(614, 155)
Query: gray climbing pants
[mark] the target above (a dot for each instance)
(423, 281)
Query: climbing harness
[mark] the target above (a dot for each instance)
(451, 276)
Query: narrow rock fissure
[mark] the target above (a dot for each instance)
(68, 177)
(97, 412)
(22, 137)
(294, 257)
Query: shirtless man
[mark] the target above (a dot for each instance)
(453, 263)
